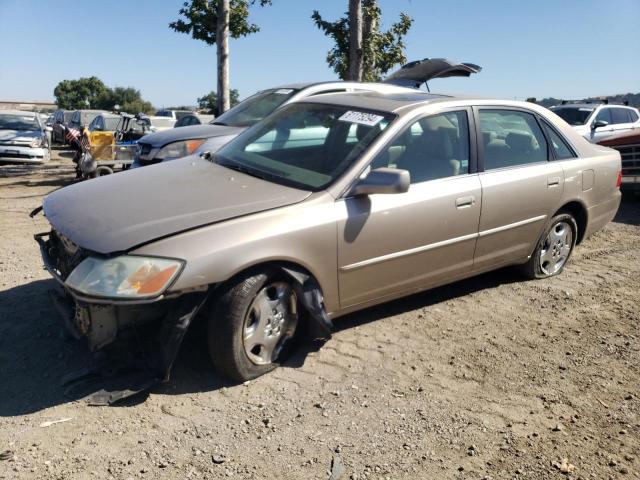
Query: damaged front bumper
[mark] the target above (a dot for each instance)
(151, 330)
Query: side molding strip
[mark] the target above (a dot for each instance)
(433, 246)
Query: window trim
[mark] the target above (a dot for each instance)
(536, 116)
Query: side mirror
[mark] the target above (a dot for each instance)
(383, 180)
(598, 124)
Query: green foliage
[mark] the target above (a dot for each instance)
(82, 93)
(382, 50)
(92, 93)
(209, 101)
(200, 18)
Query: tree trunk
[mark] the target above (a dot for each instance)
(222, 44)
(355, 40)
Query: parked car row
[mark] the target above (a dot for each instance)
(307, 202)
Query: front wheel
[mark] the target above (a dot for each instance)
(252, 325)
(554, 248)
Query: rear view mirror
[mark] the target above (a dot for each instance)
(383, 180)
(598, 124)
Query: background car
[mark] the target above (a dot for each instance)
(595, 122)
(184, 141)
(60, 121)
(23, 138)
(628, 144)
(173, 114)
(193, 119)
(82, 118)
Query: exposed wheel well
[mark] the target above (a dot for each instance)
(579, 212)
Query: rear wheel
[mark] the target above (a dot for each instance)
(554, 248)
(252, 326)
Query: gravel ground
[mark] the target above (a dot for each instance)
(493, 377)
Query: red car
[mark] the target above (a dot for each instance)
(628, 144)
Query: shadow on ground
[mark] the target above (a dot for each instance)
(35, 352)
(629, 211)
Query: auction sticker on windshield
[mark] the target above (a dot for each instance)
(284, 91)
(361, 118)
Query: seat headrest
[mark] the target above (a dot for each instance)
(522, 142)
(437, 143)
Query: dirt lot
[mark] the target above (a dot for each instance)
(493, 377)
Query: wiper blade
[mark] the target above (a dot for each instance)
(242, 169)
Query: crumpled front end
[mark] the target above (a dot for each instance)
(141, 338)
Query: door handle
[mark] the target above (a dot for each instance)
(553, 181)
(465, 202)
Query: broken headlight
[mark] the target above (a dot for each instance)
(127, 276)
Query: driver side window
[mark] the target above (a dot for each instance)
(433, 147)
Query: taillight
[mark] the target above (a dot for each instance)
(619, 181)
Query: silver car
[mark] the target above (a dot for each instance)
(23, 138)
(170, 145)
(325, 207)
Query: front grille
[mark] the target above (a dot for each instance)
(630, 159)
(17, 155)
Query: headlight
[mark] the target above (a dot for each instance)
(179, 149)
(127, 276)
(36, 142)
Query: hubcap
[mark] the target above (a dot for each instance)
(556, 248)
(270, 323)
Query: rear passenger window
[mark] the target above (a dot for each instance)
(560, 148)
(620, 115)
(433, 147)
(511, 138)
(633, 116)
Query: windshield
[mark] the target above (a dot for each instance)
(19, 122)
(67, 116)
(573, 115)
(255, 108)
(164, 113)
(304, 145)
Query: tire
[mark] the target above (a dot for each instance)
(554, 248)
(252, 325)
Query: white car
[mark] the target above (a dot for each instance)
(23, 138)
(595, 122)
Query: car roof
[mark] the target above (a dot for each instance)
(386, 102)
(403, 102)
(580, 105)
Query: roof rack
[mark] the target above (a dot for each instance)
(603, 101)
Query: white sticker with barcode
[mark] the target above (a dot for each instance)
(361, 118)
(284, 91)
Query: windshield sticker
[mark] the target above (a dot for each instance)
(283, 91)
(586, 109)
(361, 118)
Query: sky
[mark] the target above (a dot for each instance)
(560, 48)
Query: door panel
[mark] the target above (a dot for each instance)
(393, 243)
(516, 203)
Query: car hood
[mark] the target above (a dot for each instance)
(160, 139)
(19, 136)
(631, 137)
(118, 212)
